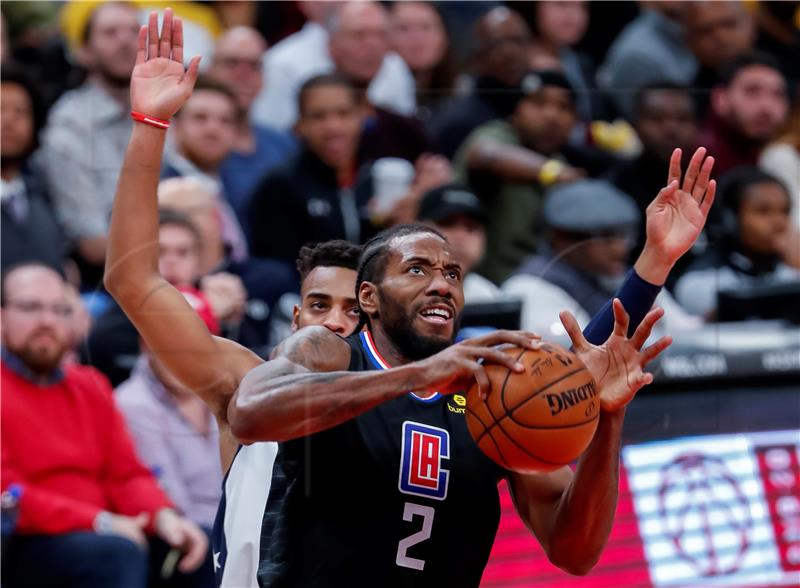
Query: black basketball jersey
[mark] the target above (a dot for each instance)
(399, 496)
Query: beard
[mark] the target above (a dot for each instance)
(42, 359)
(398, 324)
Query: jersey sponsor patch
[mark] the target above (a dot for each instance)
(423, 449)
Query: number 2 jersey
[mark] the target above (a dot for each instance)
(399, 496)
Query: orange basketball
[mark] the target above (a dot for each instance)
(538, 420)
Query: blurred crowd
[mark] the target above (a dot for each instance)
(533, 134)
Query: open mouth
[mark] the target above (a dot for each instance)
(437, 314)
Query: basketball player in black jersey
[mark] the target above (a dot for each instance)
(381, 484)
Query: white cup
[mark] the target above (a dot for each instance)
(391, 180)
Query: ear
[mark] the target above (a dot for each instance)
(295, 318)
(719, 101)
(368, 298)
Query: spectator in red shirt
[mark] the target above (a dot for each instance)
(88, 505)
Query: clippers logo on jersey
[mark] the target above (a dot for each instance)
(423, 449)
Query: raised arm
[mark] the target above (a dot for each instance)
(305, 388)
(162, 316)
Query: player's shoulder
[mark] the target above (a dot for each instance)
(316, 348)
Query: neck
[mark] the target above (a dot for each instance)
(10, 170)
(245, 138)
(213, 257)
(387, 349)
(546, 47)
(423, 77)
(203, 167)
(120, 94)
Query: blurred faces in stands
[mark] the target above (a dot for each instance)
(503, 39)
(36, 317)
(718, 31)
(762, 210)
(330, 121)
(665, 119)
(178, 249)
(237, 63)
(545, 114)
(16, 124)
(561, 23)
(418, 35)
(752, 99)
(205, 128)
(109, 49)
(359, 40)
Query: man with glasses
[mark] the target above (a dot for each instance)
(87, 504)
(237, 63)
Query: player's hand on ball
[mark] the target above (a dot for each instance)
(617, 365)
(456, 368)
(677, 215)
(159, 83)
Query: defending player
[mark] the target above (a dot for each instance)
(567, 513)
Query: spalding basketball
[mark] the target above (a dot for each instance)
(537, 420)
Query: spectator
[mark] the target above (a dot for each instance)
(419, 36)
(779, 35)
(782, 160)
(88, 128)
(237, 63)
(29, 229)
(87, 501)
(717, 33)
(756, 209)
(511, 162)
(651, 48)
(557, 28)
(501, 61)
(458, 214)
(664, 118)
(590, 229)
(204, 133)
(358, 28)
(748, 109)
(176, 437)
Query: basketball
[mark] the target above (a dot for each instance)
(538, 420)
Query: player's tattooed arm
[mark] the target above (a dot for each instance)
(305, 389)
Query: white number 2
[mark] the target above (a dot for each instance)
(426, 512)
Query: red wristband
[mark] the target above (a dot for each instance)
(149, 120)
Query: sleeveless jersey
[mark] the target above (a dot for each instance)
(398, 496)
(236, 536)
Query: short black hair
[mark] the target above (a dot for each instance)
(728, 72)
(334, 253)
(641, 95)
(735, 184)
(321, 81)
(210, 84)
(7, 271)
(171, 216)
(12, 73)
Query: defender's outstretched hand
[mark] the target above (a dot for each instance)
(677, 215)
(617, 365)
(159, 83)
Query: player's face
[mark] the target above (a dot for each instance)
(764, 217)
(666, 121)
(205, 131)
(328, 299)
(545, 119)
(179, 255)
(756, 103)
(421, 295)
(37, 318)
(331, 124)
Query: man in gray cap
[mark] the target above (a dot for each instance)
(591, 227)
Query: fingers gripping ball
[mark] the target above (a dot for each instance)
(537, 420)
